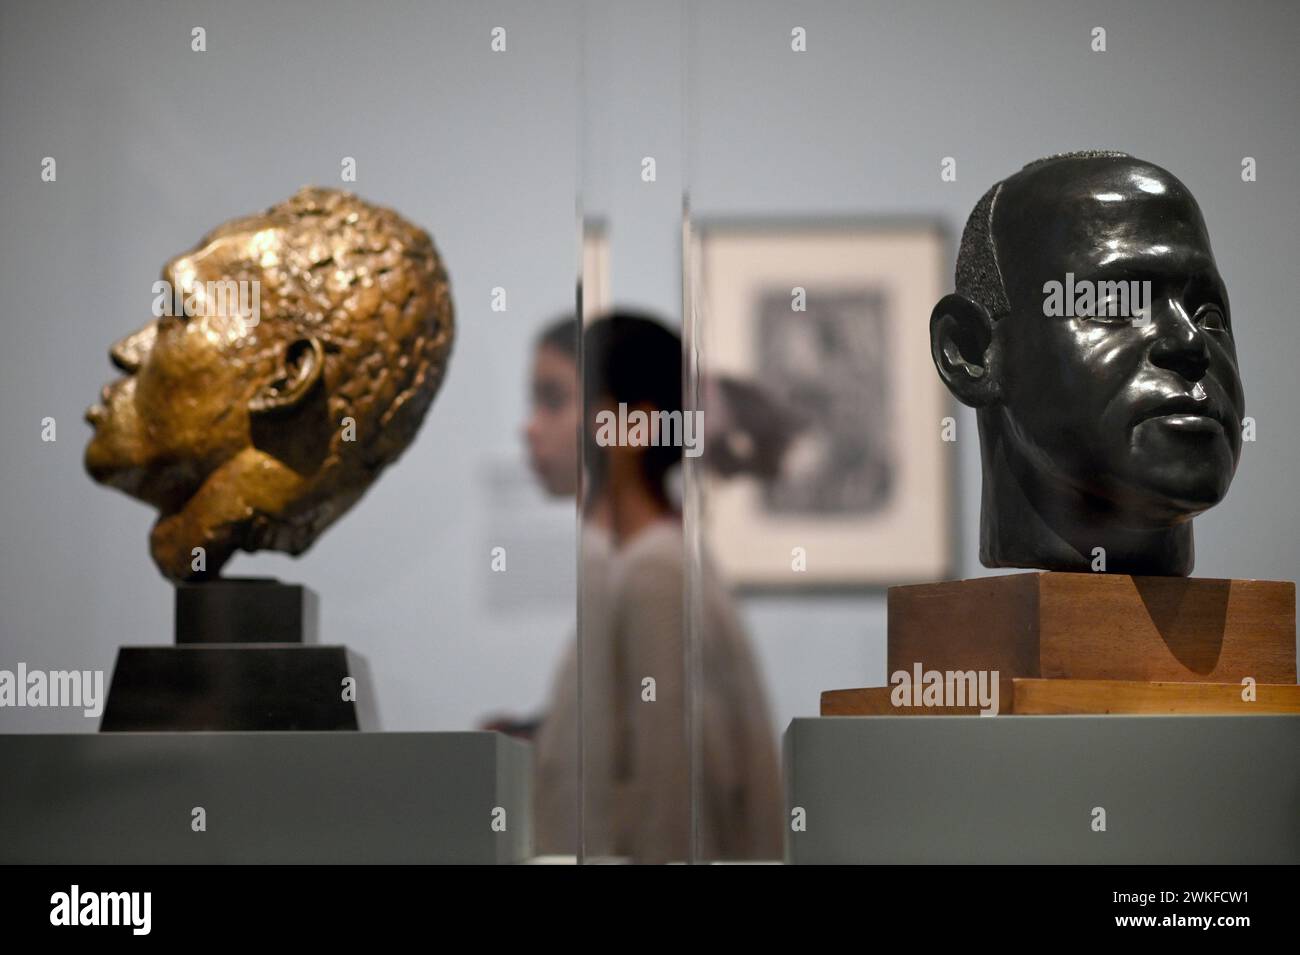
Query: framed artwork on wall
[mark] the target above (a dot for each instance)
(827, 464)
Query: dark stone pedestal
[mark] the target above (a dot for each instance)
(245, 610)
(244, 659)
(259, 686)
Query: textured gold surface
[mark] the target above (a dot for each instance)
(239, 431)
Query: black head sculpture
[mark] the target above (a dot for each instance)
(1090, 330)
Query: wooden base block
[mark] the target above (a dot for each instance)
(877, 701)
(1030, 696)
(1124, 696)
(1098, 627)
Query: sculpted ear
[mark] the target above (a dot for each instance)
(299, 372)
(964, 351)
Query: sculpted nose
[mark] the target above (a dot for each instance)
(1180, 346)
(128, 353)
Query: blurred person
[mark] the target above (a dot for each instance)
(553, 427)
(551, 437)
(633, 615)
(636, 757)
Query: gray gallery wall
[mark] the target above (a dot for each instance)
(155, 144)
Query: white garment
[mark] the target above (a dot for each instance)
(636, 772)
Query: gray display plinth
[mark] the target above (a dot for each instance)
(1025, 789)
(328, 797)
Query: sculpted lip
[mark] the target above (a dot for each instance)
(99, 410)
(1184, 413)
(1190, 422)
(95, 413)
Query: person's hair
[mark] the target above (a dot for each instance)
(979, 276)
(372, 289)
(562, 335)
(632, 358)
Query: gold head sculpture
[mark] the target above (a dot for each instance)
(292, 357)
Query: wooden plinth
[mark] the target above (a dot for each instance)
(1099, 627)
(1034, 696)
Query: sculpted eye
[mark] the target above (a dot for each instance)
(1210, 317)
(1108, 312)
